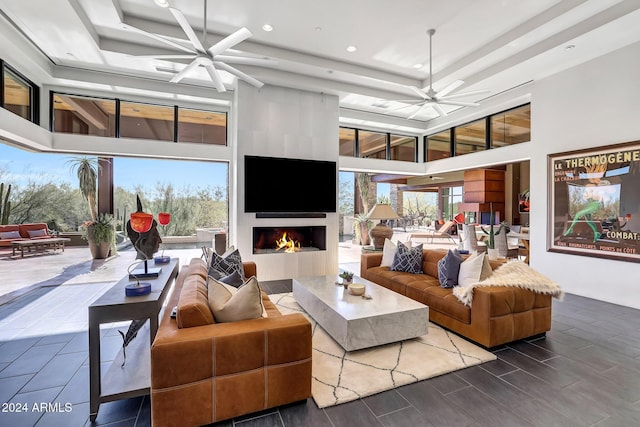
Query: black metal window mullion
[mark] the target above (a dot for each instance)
(452, 142)
(388, 146)
(1, 83)
(487, 133)
(175, 123)
(117, 114)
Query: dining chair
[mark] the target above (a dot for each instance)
(505, 250)
(470, 239)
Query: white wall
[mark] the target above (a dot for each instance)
(282, 122)
(592, 105)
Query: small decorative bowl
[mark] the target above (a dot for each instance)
(357, 289)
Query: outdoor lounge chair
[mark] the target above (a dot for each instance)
(442, 232)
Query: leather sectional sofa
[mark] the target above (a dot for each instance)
(203, 372)
(497, 316)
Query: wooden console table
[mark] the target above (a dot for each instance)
(133, 379)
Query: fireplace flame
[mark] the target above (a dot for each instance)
(289, 245)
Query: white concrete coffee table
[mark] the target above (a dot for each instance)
(357, 323)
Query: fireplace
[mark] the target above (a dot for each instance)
(272, 240)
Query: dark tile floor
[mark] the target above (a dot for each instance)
(585, 372)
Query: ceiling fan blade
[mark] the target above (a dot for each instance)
(215, 77)
(176, 79)
(421, 93)
(458, 103)
(463, 94)
(166, 56)
(158, 37)
(186, 27)
(402, 107)
(252, 81)
(419, 110)
(229, 41)
(450, 88)
(439, 110)
(245, 60)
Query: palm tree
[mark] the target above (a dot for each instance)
(87, 170)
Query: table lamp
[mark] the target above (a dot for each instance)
(381, 231)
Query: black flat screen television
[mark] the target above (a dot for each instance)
(279, 185)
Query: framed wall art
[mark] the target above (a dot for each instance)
(594, 202)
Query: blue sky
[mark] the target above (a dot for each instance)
(20, 166)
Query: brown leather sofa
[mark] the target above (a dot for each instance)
(498, 315)
(203, 372)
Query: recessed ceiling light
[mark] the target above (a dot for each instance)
(418, 66)
(570, 47)
(318, 28)
(161, 3)
(267, 27)
(351, 48)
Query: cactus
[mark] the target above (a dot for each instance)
(5, 204)
(491, 233)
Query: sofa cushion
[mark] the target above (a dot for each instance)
(221, 266)
(389, 252)
(448, 269)
(193, 305)
(10, 235)
(244, 304)
(232, 279)
(408, 260)
(474, 269)
(37, 233)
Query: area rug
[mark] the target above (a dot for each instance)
(340, 376)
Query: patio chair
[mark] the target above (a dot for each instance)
(469, 239)
(442, 232)
(505, 250)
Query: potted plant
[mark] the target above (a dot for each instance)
(347, 277)
(491, 243)
(100, 234)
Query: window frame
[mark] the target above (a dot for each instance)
(34, 91)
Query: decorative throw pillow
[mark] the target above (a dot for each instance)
(408, 260)
(471, 269)
(221, 266)
(232, 279)
(10, 234)
(37, 233)
(231, 305)
(389, 252)
(448, 269)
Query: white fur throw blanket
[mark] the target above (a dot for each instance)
(514, 273)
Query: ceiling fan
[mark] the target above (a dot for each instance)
(212, 58)
(432, 98)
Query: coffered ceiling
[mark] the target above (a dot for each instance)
(490, 44)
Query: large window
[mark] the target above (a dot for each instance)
(18, 94)
(471, 137)
(372, 145)
(378, 145)
(117, 118)
(200, 126)
(146, 121)
(403, 148)
(451, 198)
(347, 142)
(84, 115)
(438, 146)
(511, 127)
(505, 128)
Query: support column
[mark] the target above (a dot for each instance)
(105, 185)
